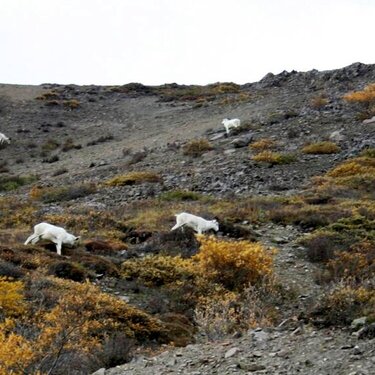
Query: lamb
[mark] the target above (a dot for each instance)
(50, 232)
(197, 223)
(233, 123)
(4, 139)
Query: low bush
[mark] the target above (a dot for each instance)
(8, 183)
(233, 264)
(98, 265)
(10, 270)
(158, 270)
(48, 95)
(321, 148)
(67, 270)
(352, 167)
(133, 178)
(70, 145)
(321, 246)
(274, 158)
(50, 145)
(11, 298)
(357, 263)
(344, 303)
(180, 195)
(51, 159)
(318, 102)
(263, 144)
(59, 194)
(101, 139)
(367, 95)
(224, 313)
(71, 103)
(197, 147)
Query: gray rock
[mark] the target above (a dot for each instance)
(231, 352)
(359, 322)
(242, 141)
(369, 120)
(337, 136)
(101, 371)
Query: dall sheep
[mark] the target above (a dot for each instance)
(197, 223)
(4, 138)
(50, 232)
(229, 124)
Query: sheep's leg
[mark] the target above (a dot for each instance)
(34, 238)
(58, 246)
(176, 226)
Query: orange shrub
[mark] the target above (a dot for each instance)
(367, 95)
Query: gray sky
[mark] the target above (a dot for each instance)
(183, 41)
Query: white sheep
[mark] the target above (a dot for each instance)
(195, 222)
(4, 139)
(50, 232)
(233, 123)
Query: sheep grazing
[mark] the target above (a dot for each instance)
(50, 232)
(229, 124)
(197, 223)
(4, 139)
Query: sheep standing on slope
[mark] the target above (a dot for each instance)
(197, 223)
(4, 139)
(50, 232)
(229, 124)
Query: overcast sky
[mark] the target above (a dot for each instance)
(182, 41)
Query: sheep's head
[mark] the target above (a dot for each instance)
(215, 225)
(224, 121)
(72, 240)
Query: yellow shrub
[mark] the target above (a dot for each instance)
(16, 352)
(11, 297)
(132, 178)
(263, 144)
(367, 95)
(357, 166)
(233, 264)
(321, 148)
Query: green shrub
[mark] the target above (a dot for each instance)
(8, 183)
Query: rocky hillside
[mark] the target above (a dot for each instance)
(114, 163)
(134, 127)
